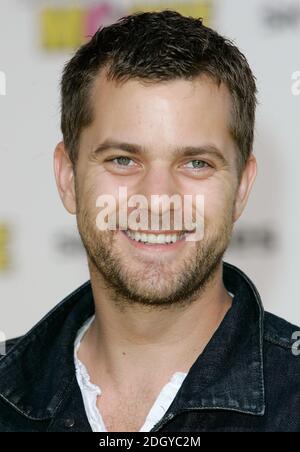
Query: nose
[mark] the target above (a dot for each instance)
(158, 186)
(158, 180)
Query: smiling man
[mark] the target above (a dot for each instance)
(165, 336)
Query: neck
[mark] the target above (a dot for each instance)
(136, 340)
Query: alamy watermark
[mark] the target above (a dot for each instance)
(2, 343)
(295, 88)
(296, 344)
(188, 213)
(2, 83)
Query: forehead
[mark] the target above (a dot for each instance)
(171, 112)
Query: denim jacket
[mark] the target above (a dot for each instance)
(246, 379)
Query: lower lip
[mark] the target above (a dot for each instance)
(155, 247)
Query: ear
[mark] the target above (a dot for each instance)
(245, 186)
(64, 175)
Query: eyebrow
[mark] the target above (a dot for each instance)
(182, 151)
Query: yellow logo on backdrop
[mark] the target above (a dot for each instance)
(3, 247)
(69, 27)
(62, 27)
(186, 8)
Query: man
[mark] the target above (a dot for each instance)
(165, 336)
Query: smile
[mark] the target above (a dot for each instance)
(155, 238)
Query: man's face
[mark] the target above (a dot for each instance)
(160, 118)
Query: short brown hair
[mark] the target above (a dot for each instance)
(154, 47)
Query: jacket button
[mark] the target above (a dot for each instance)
(69, 423)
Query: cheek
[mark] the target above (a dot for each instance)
(91, 186)
(99, 197)
(99, 182)
(218, 204)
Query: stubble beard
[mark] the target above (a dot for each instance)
(153, 284)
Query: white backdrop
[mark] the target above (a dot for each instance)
(42, 260)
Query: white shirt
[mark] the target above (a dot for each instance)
(90, 391)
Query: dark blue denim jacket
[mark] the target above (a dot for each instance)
(247, 378)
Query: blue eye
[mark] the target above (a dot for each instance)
(199, 164)
(122, 161)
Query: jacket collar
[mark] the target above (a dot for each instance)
(228, 374)
(38, 371)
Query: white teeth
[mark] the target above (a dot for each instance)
(154, 238)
